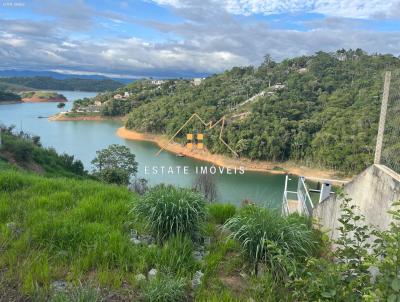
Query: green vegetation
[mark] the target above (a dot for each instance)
(60, 105)
(115, 164)
(220, 213)
(27, 152)
(48, 83)
(6, 96)
(267, 237)
(165, 289)
(46, 95)
(319, 110)
(78, 233)
(326, 112)
(168, 211)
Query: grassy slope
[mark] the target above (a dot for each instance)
(78, 231)
(52, 229)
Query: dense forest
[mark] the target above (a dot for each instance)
(321, 110)
(49, 83)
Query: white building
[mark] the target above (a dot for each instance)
(157, 82)
(278, 86)
(126, 94)
(197, 81)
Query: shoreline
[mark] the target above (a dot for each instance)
(61, 117)
(10, 102)
(227, 162)
(39, 100)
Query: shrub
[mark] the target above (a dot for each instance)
(167, 211)
(220, 213)
(165, 289)
(266, 236)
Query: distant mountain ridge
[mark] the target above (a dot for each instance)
(49, 83)
(58, 75)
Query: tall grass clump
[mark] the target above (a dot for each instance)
(220, 213)
(175, 257)
(168, 211)
(267, 237)
(165, 289)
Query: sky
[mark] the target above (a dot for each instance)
(180, 38)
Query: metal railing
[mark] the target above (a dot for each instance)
(306, 203)
(302, 196)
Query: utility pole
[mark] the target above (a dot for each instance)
(382, 118)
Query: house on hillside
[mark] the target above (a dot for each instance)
(197, 81)
(126, 94)
(302, 70)
(118, 97)
(278, 86)
(89, 109)
(157, 82)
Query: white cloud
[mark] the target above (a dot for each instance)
(336, 8)
(208, 40)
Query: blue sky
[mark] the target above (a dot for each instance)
(171, 38)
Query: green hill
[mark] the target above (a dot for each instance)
(320, 110)
(26, 152)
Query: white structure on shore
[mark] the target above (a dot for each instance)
(157, 82)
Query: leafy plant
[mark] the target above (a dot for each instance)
(168, 211)
(267, 237)
(344, 275)
(387, 249)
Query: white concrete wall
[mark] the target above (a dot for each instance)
(373, 191)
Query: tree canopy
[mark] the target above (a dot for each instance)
(115, 164)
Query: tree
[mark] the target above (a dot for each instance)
(60, 105)
(115, 164)
(205, 184)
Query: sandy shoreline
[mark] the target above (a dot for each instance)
(220, 160)
(63, 117)
(39, 100)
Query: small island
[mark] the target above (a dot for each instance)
(42, 96)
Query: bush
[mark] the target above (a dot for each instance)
(267, 237)
(220, 213)
(165, 289)
(167, 211)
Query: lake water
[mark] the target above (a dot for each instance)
(83, 138)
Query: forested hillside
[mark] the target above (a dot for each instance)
(321, 110)
(6, 96)
(64, 84)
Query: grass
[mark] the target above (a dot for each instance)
(168, 211)
(165, 289)
(78, 231)
(65, 229)
(267, 237)
(220, 213)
